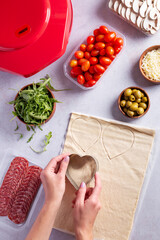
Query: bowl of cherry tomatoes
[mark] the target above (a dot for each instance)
(86, 64)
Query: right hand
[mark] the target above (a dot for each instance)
(86, 207)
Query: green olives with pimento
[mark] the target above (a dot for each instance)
(134, 102)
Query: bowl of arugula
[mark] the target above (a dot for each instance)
(35, 103)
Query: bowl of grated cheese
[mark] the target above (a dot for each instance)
(149, 64)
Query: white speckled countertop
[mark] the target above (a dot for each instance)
(102, 102)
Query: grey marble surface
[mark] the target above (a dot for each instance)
(102, 102)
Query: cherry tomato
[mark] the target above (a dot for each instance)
(83, 47)
(109, 51)
(109, 44)
(99, 69)
(88, 76)
(79, 54)
(75, 71)
(118, 42)
(91, 39)
(73, 63)
(99, 58)
(117, 49)
(103, 29)
(80, 79)
(99, 45)
(93, 60)
(110, 36)
(87, 55)
(96, 76)
(100, 38)
(94, 53)
(112, 57)
(96, 32)
(104, 61)
(102, 52)
(90, 83)
(82, 60)
(85, 66)
(90, 47)
(91, 70)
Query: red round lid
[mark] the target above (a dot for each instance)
(33, 34)
(22, 22)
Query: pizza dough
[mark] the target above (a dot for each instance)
(81, 169)
(122, 152)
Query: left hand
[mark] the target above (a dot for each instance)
(53, 179)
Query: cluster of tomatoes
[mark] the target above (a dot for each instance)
(94, 57)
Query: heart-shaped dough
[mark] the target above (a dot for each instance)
(86, 137)
(117, 140)
(81, 169)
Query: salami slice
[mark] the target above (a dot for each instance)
(11, 183)
(25, 195)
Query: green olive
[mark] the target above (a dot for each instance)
(132, 98)
(142, 94)
(140, 111)
(134, 106)
(143, 105)
(125, 98)
(138, 100)
(130, 113)
(134, 90)
(127, 92)
(128, 104)
(137, 94)
(144, 99)
(125, 109)
(123, 103)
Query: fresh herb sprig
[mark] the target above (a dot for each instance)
(20, 135)
(30, 138)
(46, 142)
(17, 127)
(50, 85)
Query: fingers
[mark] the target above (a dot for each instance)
(97, 189)
(54, 161)
(80, 198)
(88, 193)
(63, 166)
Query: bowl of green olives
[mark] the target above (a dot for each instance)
(134, 102)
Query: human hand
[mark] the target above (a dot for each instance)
(53, 179)
(86, 207)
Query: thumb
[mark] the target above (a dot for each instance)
(63, 166)
(80, 198)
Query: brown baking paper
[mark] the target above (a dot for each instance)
(123, 153)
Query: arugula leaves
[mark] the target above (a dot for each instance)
(28, 128)
(50, 85)
(40, 128)
(17, 127)
(20, 135)
(33, 129)
(34, 104)
(46, 142)
(30, 138)
(14, 114)
(48, 137)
